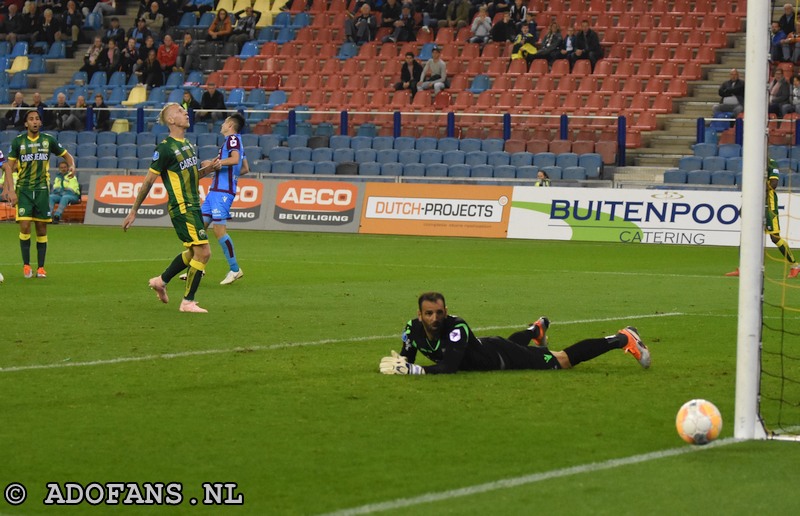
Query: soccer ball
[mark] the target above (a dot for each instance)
(698, 422)
(2, 279)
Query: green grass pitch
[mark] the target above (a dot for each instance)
(277, 388)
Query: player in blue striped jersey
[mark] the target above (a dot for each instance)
(217, 206)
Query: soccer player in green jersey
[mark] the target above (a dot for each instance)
(30, 157)
(176, 163)
(772, 225)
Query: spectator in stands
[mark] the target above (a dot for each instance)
(481, 27)
(105, 7)
(550, 45)
(434, 11)
(776, 42)
(410, 74)
(115, 32)
(189, 103)
(404, 27)
(498, 6)
(128, 58)
(76, 121)
(101, 114)
(519, 14)
(154, 20)
(457, 14)
(542, 179)
(524, 45)
(48, 28)
(167, 55)
(94, 59)
(45, 114)
(220, 29)
(778, 92)
(66, 191)
(144, 51)
(140, 32)
(731, 93)
(15, 116)
(171, 10)
(434, 73)
(197, 6)
(790, 45)
(503, 30)
(72, 18)
(390, 13)
(61, 111)
(533, 27)
(361, 28)
(212, 99)
(787, 21)
(245, 28)
(567, 47)
(18, 26)
(152, 75)
(794, 98)
(587, 46)
(188, 54)
(113, 57)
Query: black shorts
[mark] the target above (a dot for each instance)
(517, 356)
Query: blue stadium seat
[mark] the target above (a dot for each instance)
(482, 171)
(724, 177)
(300, 154)
(86, 149)
(386, 155)
(124, 139)
(521, 159)
(145, 137)
(366, 156)
(454, 157)
(436, 170)
(698, 177)
(493, 145)
(713, 163)
(368, 129)
(734, 164)
(729, 150)
(380, 143)
(282, 19)
(300, 20)
(86, 162)
(131, 162)
(447, 144)
(20, 81)
(303, 167)
(188, 20)
(146, 151)
(37, 64)
(256, 98)
(402, 143)
(107, 149)
(392, 169)
(778, 151)
(341, 155)
(276, 98)
(369, 168)
(544, 159)
(127, 150)
(324, 129)
(497, 158)
(99, 80)
(322, 154)
(281, 166)
(593, 163)
(553, 172)
(20, 48)
(253, 152)
(470, 144)
(279, 153)
(250, 140)
(527, 172)
(58, 50)
(144, 163)
(567, 159)
(688, 163)
(702, 150)
(204, 139)
(261, 166)
(425, 143)
(408, 156)
(339, 141)
(107, 162)
(426, 52)
(347, 50)
(175, 96)
(105, 137)
(249, 49)
(675, 176)
(268, 141)
(480, 83)
(85, 137)
(205, 19)
(429, 156)
(325, 168)
(360, 142)
(505, 171)
(459, 170)
(297, 140)
(574, 172)
(414, 169)
(475, 158)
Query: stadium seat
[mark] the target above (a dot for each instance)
(325, 168)
(698, 177)
(544, 159)
(703, 150)
(527, 172)
(447, 144)
(408, 156)
(675, 176)
(303, 167)
(778, 151)
(475, 158)
(339, 141)
(713, 163)
(86, 162)
(279, 154)
(107, 162)
(567, 159)
(105, 137)
(454, 157)
(470, 144)
(413, 169)
(498, 158)
(734, 164)
(360, 142)
(521, 159)
(342, 155)
(366, 155)
(282, 166)
(459, 170)
(402, 143)
(723, 177)
(492, 145)
(425, 143)
(300, 154)
(392, 169)
(481, 171)
(593, 163)
(436, 170)
(688, 163)
(322, 154)
(505, 172)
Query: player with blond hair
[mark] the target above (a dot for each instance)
(175, 161)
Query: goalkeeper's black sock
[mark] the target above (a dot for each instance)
(25, 247)
(592, 348)
(523, 338)
(176, 267)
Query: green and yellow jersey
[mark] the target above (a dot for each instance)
(176, 162)
(33, 159)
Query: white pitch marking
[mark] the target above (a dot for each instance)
(183, 354)
(507, 483)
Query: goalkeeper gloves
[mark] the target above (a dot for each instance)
(397, 364)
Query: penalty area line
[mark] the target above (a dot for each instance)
(524, 480)
(268, 347)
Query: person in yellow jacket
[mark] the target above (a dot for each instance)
(66, 191)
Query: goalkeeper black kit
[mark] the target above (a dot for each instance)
(458, 349)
